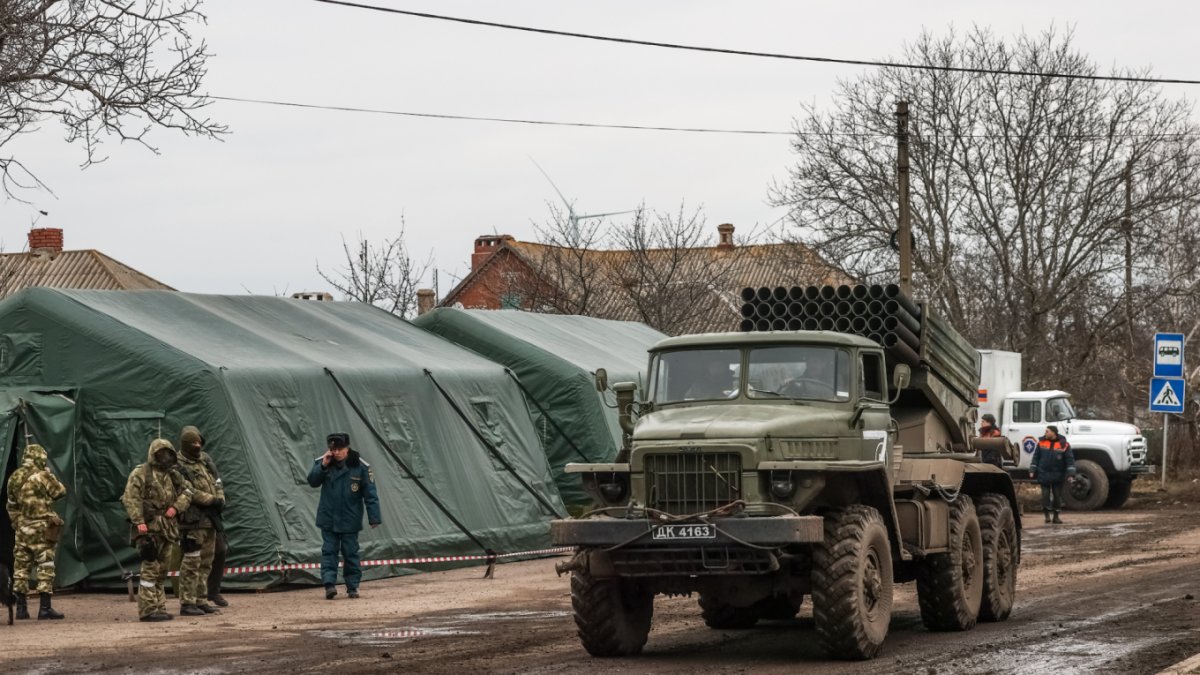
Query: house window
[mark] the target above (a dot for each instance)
(510, 301)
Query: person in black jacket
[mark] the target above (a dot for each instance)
(1052, 465)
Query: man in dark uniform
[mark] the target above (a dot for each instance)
(347, 485)
(1052, 465)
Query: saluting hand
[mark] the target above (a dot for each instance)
(327, 458)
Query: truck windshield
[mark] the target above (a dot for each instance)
(696, 375)
(800, 372)
(1059, 410)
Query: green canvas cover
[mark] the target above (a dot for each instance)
(555, 357)
(99, 374)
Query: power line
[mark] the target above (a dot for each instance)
(917, 135)
(510, 120)
(766, 55)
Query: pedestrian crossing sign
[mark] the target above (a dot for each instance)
(1166, 395)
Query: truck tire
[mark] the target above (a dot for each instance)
(1118, 493)
(721, 616)
(950, 585)
(612, 615)
(1001, 556)
(852, 583)
(1090, 489)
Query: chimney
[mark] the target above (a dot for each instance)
(46, 240)
(485, 246)
(725, 230)
(320, 296)
(426, 299)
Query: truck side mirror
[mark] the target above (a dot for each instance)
(601, 380)
(901, 376)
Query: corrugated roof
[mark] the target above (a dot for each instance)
(719, 309)
(86, 269)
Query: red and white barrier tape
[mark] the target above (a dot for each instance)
(254, 569)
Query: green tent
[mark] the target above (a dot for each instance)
(96, 375)
(555, 357)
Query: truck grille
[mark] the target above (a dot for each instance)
(1137, 450)
(685, 483)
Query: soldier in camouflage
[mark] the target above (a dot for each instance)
(32, 491)
(199, 524)
(155, 494)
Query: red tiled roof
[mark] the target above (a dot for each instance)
(784, 264)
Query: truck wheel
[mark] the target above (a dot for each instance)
(1090, 489)
(1118, 493)
(721, 616)
(950, 585)
(612, 615)
(852, 583)
(1001, 556)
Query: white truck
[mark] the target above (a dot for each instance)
(1108, 455)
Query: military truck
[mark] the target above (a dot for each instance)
(765, 467)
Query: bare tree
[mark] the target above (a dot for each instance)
(673, 276)
(385, 274)
(1017, 198)
(115, 68)
(663, 269)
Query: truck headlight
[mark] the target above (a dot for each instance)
(782, 485)
(614, 489)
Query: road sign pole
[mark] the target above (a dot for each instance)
(1166, 421)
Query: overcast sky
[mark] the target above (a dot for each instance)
(258, 210)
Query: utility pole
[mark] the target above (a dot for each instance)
(904, 231)
(1127, 230)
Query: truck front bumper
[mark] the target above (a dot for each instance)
(1142, 470)
(774, 531)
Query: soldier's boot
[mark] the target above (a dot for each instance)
(330, 591)
(190, 610)
(46, 611)
(1057, 520)
(22, 608)
(208, 609)
(352, 593)
(1047, 516)
(218, 600)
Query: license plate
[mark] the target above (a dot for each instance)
(674, 532)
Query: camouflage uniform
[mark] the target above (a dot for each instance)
(198, 525)
(152, 489)
(32, 491)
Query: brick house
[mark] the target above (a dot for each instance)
(634, 285)
(47, 264)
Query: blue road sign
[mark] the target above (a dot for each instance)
(1166, 395)
(1168, 355)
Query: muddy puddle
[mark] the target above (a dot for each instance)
(437, 627)
(1044, 538)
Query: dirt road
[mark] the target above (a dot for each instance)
(1107, 592)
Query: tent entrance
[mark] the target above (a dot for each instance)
(8, 464)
